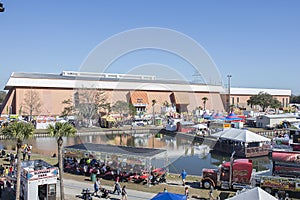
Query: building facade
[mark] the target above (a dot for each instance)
(50, 90)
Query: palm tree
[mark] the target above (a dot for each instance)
(60, 130)
(153, 104)
(204, 99)
(20, 131)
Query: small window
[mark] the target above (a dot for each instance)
(139, 100)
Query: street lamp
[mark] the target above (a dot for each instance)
(228, 105)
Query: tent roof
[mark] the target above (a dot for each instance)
(200, 126)
(240, 135)
(232, 117)
(114, 149)
(254, 193)
(169, 196)
(218, 116)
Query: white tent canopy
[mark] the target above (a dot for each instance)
(255, 193)
(200, 126)
(240, 135)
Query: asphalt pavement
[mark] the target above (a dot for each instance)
(73, 188)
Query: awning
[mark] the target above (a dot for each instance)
(117, 150)
(180, 98)
(139, 98)
(240, 135)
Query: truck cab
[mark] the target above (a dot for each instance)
(230, 175)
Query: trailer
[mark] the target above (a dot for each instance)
(39, 180)
(276, 184)
(286, 164)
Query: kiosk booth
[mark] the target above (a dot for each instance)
(38, 180)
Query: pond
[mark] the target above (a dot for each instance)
(181, 153)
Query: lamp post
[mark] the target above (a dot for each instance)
(228, 106)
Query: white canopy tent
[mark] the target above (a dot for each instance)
(200, 126)
(240, 135)
(255, 193)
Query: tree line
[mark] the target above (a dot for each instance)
(87, 104)
(295, 99)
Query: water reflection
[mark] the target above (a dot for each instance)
(182, 154)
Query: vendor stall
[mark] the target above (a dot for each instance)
(122, 157)
(244, 142)
(38, 180)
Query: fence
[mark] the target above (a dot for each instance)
(272, 133)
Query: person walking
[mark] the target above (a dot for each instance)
(28, 155)
(117, 188)
(183, 176)
(97, 186)
(124, 193)
(24, 151)
(29, 149)
(1, 170)
(186, 192)
(6, 171)
(1, 187)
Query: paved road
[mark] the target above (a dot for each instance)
(73, 188)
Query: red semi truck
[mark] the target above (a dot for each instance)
(237, 174)
(227, 177)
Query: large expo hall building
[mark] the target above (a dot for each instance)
(140, 90)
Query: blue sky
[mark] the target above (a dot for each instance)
(257, 42)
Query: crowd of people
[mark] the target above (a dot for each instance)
(10, 170)
(26, 151)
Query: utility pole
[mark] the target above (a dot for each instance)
(228, 105)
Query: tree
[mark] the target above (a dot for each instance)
(153, 104)
(204, 99)
(60, 130)
(166, 104)
(89, 103)
(20, 131)
(232, 107)
(2, 9)
(132, 110)
(2, 96)
(69, 109)
(262, 99)
(275, 103)
(295, 99)
(121, 107)
(31, 103)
